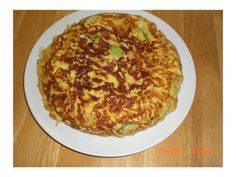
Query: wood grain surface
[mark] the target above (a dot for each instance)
(197, 142)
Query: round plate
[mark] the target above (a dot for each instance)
(109, 146)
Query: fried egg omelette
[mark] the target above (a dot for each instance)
(110, 74)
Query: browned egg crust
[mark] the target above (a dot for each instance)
(110, 74)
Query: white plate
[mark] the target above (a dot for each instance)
(109, 146)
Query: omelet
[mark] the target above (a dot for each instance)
(110, 74)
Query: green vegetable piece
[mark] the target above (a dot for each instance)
(145, 35)
(130, 128)
(115, 51)
(95, 37)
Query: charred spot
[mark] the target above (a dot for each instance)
(133, 62)
(113, 102)
(133, 86)
(90, 45)
(130, 101)
(56, 46)
(116, 109)
(105, 34)
(78, 85)
(83, 69)
(118, 77)
(86, 83)
(88, 62)
(62, 97)
(121, 33)
(122, 64)
(138, 56)
(62, 73)
(136, 74)
(109, 69)
(87, 50)
(122, 89)
(74, 40)
(97, 80)
(83, 43)
(68, 60)
(132, 40)
(101, 120)
(130, 26)
(149, 48)
(143, 86)
(77, 52)
(103, 45)
(125, 49)
(101, 105)
(94, 98)
(144, 74)
(140, 46)
(103, 87)
(48, 65)
(133, 71)
(75, 126)
(74, 66)
(122, 100)
(109, 124)
(97, 114)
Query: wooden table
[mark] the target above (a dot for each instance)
(197, 142)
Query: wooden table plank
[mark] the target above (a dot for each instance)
(197, 142)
